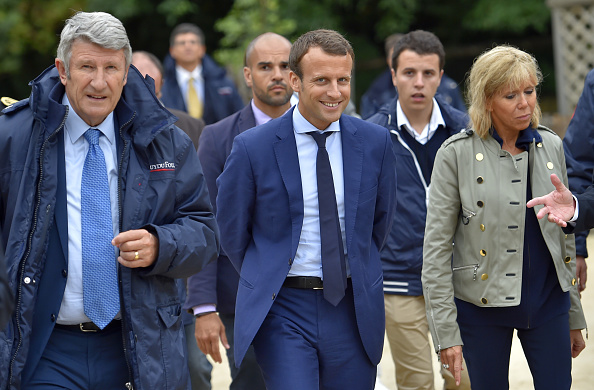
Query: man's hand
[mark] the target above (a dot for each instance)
(558, 204)
(581, 273)
(138, 248)
(451, 359)
(577, 342)
(208, 330)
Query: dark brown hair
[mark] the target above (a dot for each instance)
(329, 41)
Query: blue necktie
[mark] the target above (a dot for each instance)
(99, 266)
(333, 263)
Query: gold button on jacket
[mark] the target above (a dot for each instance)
(488, 263)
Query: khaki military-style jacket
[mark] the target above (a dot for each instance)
(477, 199)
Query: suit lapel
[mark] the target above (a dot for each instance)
(352, 171)
(285, 150)
(246, 119)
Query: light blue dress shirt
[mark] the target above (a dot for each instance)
(75, 152)
(308, 259)
(183, 76)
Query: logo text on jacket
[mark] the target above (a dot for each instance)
(164, 166)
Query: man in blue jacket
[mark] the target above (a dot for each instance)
(382, 91)
(103, 207)
(578, 143)
(193, 81)
(419, 122)
(211, 292)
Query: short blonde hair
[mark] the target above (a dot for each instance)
(501, 67)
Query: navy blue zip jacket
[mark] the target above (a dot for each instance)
(402, 255)
(578, 144)
(160, 188)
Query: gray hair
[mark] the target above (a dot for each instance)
(99, 28)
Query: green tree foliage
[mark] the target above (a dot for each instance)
(30, 28)
(508, 15)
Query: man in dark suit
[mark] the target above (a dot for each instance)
(304, 204)
(573, 213)
(194, 83)
(213, 290)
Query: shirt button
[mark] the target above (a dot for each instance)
(480, 180)
(27, 280)
(484, 277)
(53, 318)
(567, 259)
(64, 273)
(484, 301)
(480, 203)
(273, 296)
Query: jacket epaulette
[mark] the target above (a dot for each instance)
(13, 105)
(541, 128)
(464, 133)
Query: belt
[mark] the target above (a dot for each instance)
(90, 327)
(307, 282)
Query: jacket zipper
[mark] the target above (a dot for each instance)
(434, 324)
(419, 171)
(475, 266)
(29, 243)
(129, 385)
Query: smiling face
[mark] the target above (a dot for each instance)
(417, 78)
(511, 109)
(325, 89)
(97, 78)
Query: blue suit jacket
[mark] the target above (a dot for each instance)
(260, 215)
(217, 282)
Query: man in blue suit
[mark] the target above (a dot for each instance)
(310, 295)
(211, 292)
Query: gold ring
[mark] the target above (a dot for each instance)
(136, 255)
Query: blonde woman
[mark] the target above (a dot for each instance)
(489, 266)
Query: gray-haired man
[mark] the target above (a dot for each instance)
(103, 206)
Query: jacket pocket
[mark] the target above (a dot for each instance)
(466, 268)
(466, 215)
(173, 348)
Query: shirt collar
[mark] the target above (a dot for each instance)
(259, 115)
(525, 138)
(76, 127)
(435, 121)
(184, 75)
(302, 125)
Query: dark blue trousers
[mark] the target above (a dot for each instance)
(547, 349)
(85, 361)
(306, 343)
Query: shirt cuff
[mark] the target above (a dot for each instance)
(207, 308)
(576, 213)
